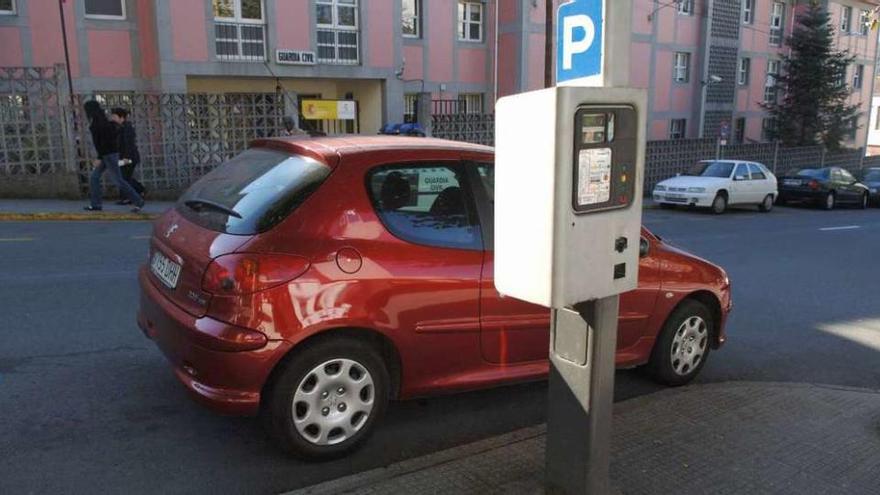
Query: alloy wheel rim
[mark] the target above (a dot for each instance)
(333, 402)
(689, 345)
(829, 201)
(719, 204)
(768, 202)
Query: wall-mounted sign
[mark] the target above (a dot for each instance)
(329, 109)
(295, 57)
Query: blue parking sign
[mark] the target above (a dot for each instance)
(579, 37)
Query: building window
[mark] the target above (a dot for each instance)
(853, 128)
(677, 128)
(745, 65)
(739, 131)
(338, 32)
(864, 22)
(748, 14)
(681, 70)
(105, 9)
(845, 19)
(470, 21)
(686, 7)
(7, 7)
(410, 107)
(767, 129)
(411, 18)
(770, 89)
(777, 15)
(239, 30)
(858, 76)
(470, 103)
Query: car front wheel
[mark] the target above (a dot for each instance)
(719, 204)
(864, 204)
(682, 347)
(327, 399)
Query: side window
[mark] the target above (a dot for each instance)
(757, 173)
(836, 176)
(741, 172)
(846, 176)
(425, 204)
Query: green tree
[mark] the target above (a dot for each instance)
(813, 107)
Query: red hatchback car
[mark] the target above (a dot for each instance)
(313, 280)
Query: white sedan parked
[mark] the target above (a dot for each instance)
(718, 183)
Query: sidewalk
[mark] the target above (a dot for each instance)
(57, 209)
(731, 438)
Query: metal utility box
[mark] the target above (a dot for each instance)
(568, 193)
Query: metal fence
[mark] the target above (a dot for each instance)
(183, 136)
(32, 121)
(45, 147)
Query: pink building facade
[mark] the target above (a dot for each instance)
(705, 63)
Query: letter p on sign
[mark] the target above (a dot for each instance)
(579, 43)
(571, 46)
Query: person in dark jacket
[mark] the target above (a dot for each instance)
(105, 137)
(129, 157)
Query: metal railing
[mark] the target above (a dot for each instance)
(240, 41)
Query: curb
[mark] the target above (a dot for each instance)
(366, 478)
(76, 217)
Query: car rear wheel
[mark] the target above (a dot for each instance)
(767, 204)
(829, 202)
(682, 347)
(864, 204)
(719, 204)
(327, 399)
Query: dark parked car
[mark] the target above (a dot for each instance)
(871, 178)
(826, 187)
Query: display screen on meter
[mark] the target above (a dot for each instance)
(604, 158)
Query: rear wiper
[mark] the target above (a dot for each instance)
(196, 204)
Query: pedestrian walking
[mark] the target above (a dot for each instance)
(105, 136)
(129, 156)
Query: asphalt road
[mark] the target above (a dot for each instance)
(87, 404)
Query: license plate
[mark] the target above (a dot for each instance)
(674, 196)
(676, 200)
(165, 270)
(791, 182)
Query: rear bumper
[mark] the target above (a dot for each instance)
(801, 195)
(226, 381)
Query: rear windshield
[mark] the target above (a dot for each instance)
(815, 173)
(252, 192)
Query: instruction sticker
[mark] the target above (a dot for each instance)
(594, 176)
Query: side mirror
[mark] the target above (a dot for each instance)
(644, 247)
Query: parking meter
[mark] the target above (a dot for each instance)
(568, 196)
(568, 211)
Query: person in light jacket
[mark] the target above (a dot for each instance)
(129, 156)
(105, 137)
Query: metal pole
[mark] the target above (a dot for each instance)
(66, 51)
(583, 341)
(581, 387)
(548, 43)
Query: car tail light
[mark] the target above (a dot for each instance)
(246, 273)
(813, 184)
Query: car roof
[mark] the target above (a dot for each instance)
(329, 148)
